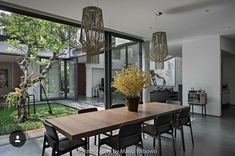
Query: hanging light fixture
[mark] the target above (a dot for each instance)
(160, 50)
(92, 33)
(159, 44)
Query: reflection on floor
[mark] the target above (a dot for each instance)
(213, 136)
(86, 102)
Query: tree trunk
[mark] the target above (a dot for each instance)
(22, 117)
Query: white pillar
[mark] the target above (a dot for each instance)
(146, 67)
(202, 69)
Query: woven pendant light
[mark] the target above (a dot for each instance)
(160, 50)
(92, 35)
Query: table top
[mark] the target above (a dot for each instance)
(93, 123)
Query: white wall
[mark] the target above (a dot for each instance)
(146, 67)
(94, 73)
(202, 68)
(98, 73)
(178, 72)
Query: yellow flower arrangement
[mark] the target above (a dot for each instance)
(131, 81)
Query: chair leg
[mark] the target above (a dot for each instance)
(44, 146)
(154, 142)
(136, 150)
(191, 133)
(98, 145)
(173, 141)
(70, 153)
(182, 136)
(123, 152)
(53, 152)
(159, 145)
(142, 147)
(95, 140)
(87, 146)
(175, 132)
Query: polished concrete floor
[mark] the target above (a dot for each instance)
(213, 136)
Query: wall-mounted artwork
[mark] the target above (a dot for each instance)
(163, 77)
(3, 78)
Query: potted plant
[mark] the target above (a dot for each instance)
(131, 82)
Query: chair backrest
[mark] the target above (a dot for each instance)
(51, 135)
(118, 105)
(184, 115)
(86, 110)
(130, 134)
(173, 102)
(164, 122)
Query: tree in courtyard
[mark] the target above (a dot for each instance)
(32, 37)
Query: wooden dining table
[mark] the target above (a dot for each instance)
(94, 123)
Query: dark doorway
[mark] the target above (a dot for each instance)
(81, 79)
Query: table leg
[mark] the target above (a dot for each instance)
(192, 110)
(205, 110)
(202, 110)
(87, 153)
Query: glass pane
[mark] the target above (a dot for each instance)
(90, 80)
(71, 87)
(52, 84)
(133, 54)
(118, 64)
(62, 79)
(124, 52)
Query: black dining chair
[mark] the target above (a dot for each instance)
(173, 102)
(129, 134)
(112, 107)
(162, 125)
(87, 110)
(117, 105)
(60, 146)
(183, 119)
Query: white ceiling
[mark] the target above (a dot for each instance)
(181, 19)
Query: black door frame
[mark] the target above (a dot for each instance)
(108, 64)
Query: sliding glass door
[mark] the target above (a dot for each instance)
(71, 78)
(124, 52)
(53, 84)
(60, 82)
